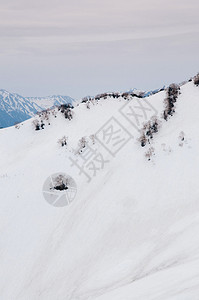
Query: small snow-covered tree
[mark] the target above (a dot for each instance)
(150, 153)
(54, 113)
(181, 138)
(196, 80)
(66, 109)
(172, 94)
(92, 137)
(82, 142)
(125, 95)
(17, 125)
(142, 139)
(149, 129)
(36, 124)
(42, 124)
(63, 141)
(88, 104)
(60, 183)
(45, 114)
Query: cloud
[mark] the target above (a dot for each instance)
(73, 34)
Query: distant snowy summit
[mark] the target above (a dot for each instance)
(15, 108)
(145, 94)
(50, 101)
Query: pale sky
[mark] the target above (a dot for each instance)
(85, 47)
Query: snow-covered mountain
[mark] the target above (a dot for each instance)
(50, 101)
(145, 93)
(131, 231)
(15, 108)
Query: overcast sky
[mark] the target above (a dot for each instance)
(85, 47)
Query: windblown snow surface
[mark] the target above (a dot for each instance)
(131, 233)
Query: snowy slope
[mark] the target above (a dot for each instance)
(130, 233)
(15, 108)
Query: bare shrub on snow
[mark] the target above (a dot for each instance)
(172, 95)
(181, 139)
(148, 130)
(36, 124)
(150, 153)
(17, 125)
(82, 143)
(63, 141)
(196, 80)
(66, 109)
(92, 137)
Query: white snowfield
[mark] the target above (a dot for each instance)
(131, 233)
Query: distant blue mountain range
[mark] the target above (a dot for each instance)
(145, 94)
(15, 108)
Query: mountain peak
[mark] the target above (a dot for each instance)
(15, 108)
